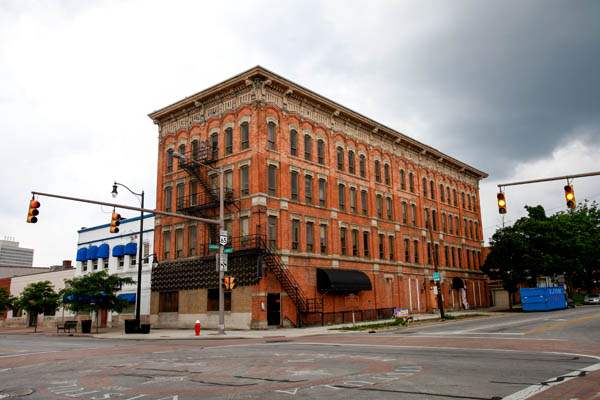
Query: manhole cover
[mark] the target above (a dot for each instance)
(13, 393)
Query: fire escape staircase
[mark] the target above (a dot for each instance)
(289, 284)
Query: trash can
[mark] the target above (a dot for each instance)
(131, 326)
(86, 326)
(145, 328)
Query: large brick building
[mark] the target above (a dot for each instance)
(326, 208)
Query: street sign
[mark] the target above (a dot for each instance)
(223, 262)
(223, 237)
(228, 250)
(436, 276)
(212, 246)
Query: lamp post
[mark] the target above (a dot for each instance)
(138, 296)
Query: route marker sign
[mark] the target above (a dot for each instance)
(223, 238)
(436, 276)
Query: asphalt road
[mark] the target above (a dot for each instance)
(486, 358)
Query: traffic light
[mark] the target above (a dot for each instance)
(33, 211)
(229, 282)
(115, 222)
(501, 203)
(570, 196)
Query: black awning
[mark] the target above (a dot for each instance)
(342, 280)
(457, 283)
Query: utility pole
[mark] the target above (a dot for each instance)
(221, 248)
(434, 257)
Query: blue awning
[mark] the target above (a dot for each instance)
(92, 253)
(118, 250)
(131, 249)
(82, 254)
(128, 297)
(103, 251)
(69, 298)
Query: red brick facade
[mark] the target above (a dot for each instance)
(352, 155)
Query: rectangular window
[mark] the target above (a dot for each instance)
(434, 218)
(272, 232)
(442, 196)
(180, 194)
(245, 135)
(323, 238)
(366, 251)
(447, 257)
(95, 265)
(386, 174)
(381, 246)
(402, 180)
(245, 180)
(355, 242)
(212, 303)
(391, 247)
(353, 199)
(168, 198)
(416, 251)
(454, 258)
(341, 197)
(379, 206)
(192, 235)
(245, 230)
(170, 160)
(228, 181)
(406, 250)
(271, 135)
(411, 182)
(272, 178)
(343, 241)
(322, 192)
(444, 223)
(388, 208)
(166, 244)
(294, 185)
(214, 145)
(120, 262)
(308, 189)
(295, 234)
(377, 171)
(363, 202)
(404, 213)
(228, 141)
(351, 168)
(307, 147)
(178, 243)
(309, 237)
(436, 254)
(320, 152)
(413, 215)
(168, 301)
(132, 261)
(340, 159)
(193, 193)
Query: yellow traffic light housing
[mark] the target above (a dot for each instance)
(570, 196)
(33, 211)
(115, 222)
(229, 282)
(501, 203)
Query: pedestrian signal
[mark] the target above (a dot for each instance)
(501, 203)
(229, 282)
(33, 211)
(570, 196)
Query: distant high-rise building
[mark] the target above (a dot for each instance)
(14, 256)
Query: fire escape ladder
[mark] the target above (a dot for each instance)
(289, 284)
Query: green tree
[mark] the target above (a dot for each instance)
(6, 301)
(38, 298)
(94, 292)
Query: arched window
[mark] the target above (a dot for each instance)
(340, 158)
(402, 180)
(424, 184)
(455, 197)
(351, 162)
(195, 154)
(320, 151)
(272, 180)
(442, 193)
(228, 141)
(170, 160)
(181, 151)
(214, 146)
(363, 166)
(271, 127)
(307, 147)
(432, 189)
(377, 170)
(448, 194)
(469, 201)
(411, 182)
(386, 174)
(245, 135)
(293, 142)
(462, 197)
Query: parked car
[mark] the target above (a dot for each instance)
(591, 299)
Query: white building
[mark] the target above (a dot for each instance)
(117, 253)
(14, 256)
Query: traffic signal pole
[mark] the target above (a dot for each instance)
(221, 248)
(555, 178)
(434, 256)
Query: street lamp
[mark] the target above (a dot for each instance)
(138, 296)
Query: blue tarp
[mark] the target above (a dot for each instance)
(118, 250)
(82, 254)
(128, 297)
(103, 251)
(92, 253)
(131, 249)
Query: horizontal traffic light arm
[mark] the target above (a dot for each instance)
(147, 210)
(556, 178)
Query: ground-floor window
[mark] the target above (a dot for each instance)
(168, 301)
(213, 300)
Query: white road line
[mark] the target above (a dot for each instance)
(472, 336)
(30, 354)
(533, 390)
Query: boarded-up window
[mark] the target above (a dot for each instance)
(168, 301)
(212, 303)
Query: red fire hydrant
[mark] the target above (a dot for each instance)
(197, 327)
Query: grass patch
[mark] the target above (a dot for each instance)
(578, 298)
(403, 322)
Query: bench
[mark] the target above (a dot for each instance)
(66, 326)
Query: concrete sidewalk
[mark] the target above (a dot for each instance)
(274, 334)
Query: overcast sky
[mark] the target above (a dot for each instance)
(510, 87)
